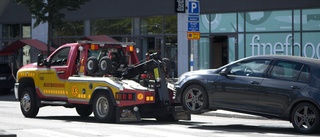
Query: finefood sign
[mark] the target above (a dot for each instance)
(310, 50)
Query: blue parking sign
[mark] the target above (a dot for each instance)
(193, 7)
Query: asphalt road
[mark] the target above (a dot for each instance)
(65, 122)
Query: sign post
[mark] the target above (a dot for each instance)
(193, 33)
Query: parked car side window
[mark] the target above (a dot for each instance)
(286, 70)
(305, 74)
(60, 58)
(254, 68)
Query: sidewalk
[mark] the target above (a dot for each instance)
(229, 114)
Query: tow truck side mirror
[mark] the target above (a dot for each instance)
(41, 61)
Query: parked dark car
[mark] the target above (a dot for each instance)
(6, 79)
(282, 87)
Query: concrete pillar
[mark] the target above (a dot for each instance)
(87, 28)
(40, 33)
(183, 44)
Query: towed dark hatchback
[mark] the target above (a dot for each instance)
(282, 87)
(6, 79)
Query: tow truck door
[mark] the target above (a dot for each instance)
(52, 80)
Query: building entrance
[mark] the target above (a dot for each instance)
(223, 50)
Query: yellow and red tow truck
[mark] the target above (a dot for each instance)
(105, 78)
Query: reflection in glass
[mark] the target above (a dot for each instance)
(151, 25)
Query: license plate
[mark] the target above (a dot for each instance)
(3, 78)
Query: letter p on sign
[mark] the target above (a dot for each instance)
(194, 7)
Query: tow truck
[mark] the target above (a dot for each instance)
(105, 78)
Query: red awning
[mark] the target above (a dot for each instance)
(103, 38)
(21, 43)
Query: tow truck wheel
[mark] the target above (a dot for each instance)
(103, 109)
(84, 110)
(105, 65)
(28, 103)
(92, 65)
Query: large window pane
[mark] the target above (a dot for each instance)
(311, 45)
(26, 31)
(74, 28)
(151, 25)
(170, 24)
(111, 27)
(204, 54)
(296, 20)
(310, 19)
(268, 21)
(223, 22)
(11, 31)
(204, 24)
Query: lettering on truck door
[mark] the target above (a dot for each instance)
(52, 80)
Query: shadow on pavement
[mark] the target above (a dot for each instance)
(253, 129)
(7, 97)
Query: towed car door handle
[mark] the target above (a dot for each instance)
(295, 87)
(254, 82)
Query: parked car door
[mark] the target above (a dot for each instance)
(238, 89)
(284, 81)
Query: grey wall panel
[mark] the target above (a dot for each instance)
(95, 9)
(122, 8)
(14, 13)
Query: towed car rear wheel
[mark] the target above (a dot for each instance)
(305, 118)
(195, 99)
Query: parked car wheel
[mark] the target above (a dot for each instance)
(28, 103)
(103, 109)
(195, 99)
(305, 118)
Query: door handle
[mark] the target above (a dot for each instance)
(295, 87)
(254, 82)
(60, 72)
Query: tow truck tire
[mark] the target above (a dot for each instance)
(84, 110)
(28, 103)
(103, 109)
(167, 68)
(105, 65)
(92, 65)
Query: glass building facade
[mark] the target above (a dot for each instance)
(226, 37)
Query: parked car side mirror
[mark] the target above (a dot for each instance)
(224, 72)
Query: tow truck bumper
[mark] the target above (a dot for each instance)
(15, 89)
(132, 113)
